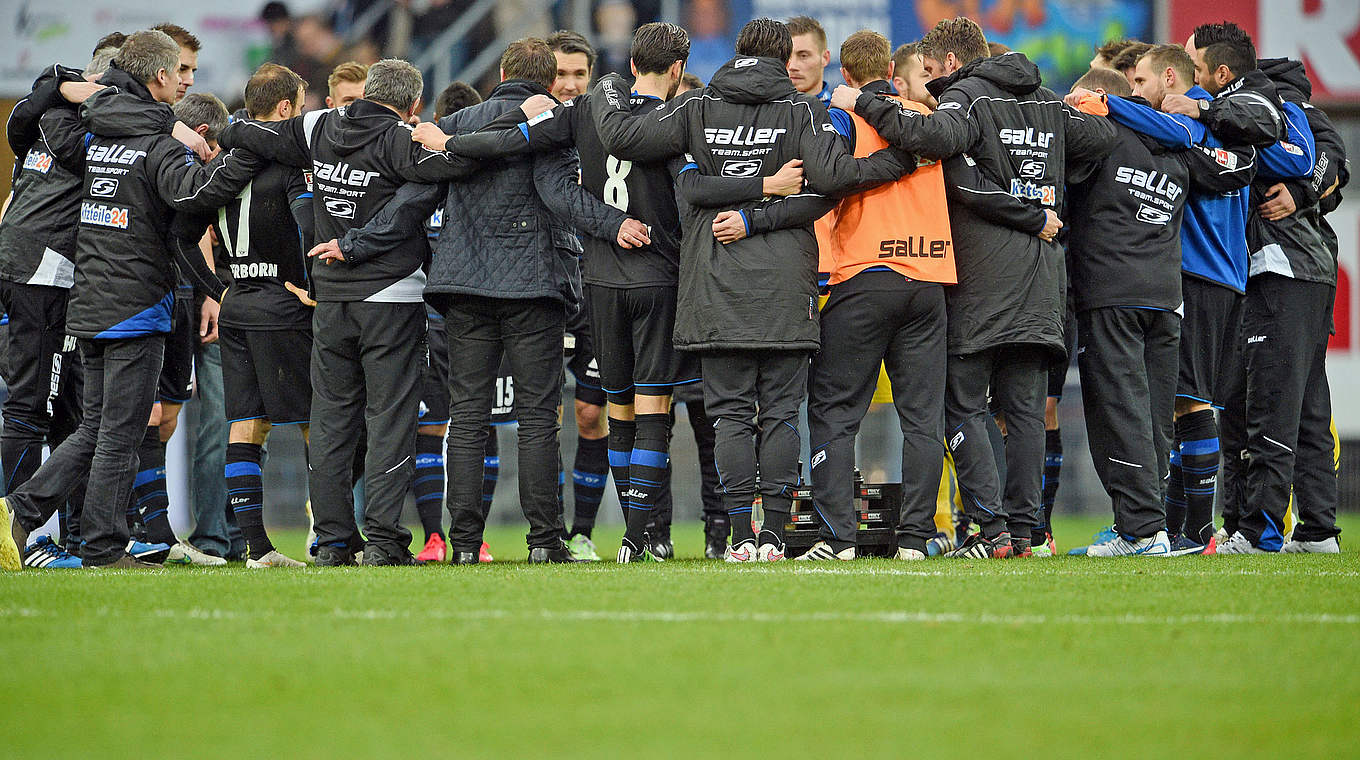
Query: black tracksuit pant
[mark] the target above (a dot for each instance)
(1285, 412)
(366, 370)
(530, 334)
(1017, 377)
(749, 393)
(878, 317)
(120, 386)
(1129, 359)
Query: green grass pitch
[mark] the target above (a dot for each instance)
(1203, 656)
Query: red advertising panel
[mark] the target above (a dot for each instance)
(1324, 34)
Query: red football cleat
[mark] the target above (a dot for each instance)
(484, 554)
(435, 550)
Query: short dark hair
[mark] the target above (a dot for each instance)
(567, 41)
(457, 96)
(691, 82)
(110, 40)
(996, 48)
(807, 25)
(1162, 57)
(270, 85)
(274, 11)
(1111, 50)
(180, 35)
(530, 58)
(866, 56)
(1226, 44)
(199, 108)
(1128, 57)
(657, 46)
(960, 36)
(765, 38)
(902, 56)
(1109, 80)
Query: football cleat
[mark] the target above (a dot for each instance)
(45, 554)
(629, 552)
(742, 552)
(484, 554)
(582, 549)
(1021, 548)
(978, 546)
(184, 553)
(661, 547)
(771, 549)
(12, 539)
(1182, 546)
(435, 550)
(551, 555)
(822, 551)
(335, 556)
(1045, 548)
(153, 553)
(909, 554)
(942, 543)
(273, 559)
(1239, 544)
(1328, 546)
(1152, 546)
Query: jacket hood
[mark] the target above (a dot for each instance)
(518, 88)
(124, 81)
(362, 122)
(1012, 72)
(1290, 79)
(752, 80)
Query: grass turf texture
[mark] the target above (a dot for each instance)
(1216, 656)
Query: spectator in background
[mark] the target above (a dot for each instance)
(279, 22)
(710, 39)
(615, 21)
(319, 51)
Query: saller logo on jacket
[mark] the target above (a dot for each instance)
(742, 135)
(342, 172)
(112, 154)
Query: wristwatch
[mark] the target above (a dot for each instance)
(1203, 106)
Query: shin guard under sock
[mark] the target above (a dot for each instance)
(245, 495)
(1198, 434)
(621, 435)
(589, 475)
(428, 484)
(148, 488)
(647, 465)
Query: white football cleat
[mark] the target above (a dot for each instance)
(1329, 546)
(273, 559)
(770, 553)
(822, 551)
(742, 552)
(1152, 546)
(1239, 544)
(183, 553)
(910, 554)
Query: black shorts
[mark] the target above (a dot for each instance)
(1208, 331)
(39, 362)
(579, 349)
(176, 385)
(266, 374)
(634, 331)
(434, 398)
(1057, 370)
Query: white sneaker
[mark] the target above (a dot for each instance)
(273, 559)
(770, 553)
(909, 554)
(1239, 544)
(1330, 546)
(822, 551)
(1153, 546)
(742, 552)
(310, 548)
(1220, 535)
(183, 553)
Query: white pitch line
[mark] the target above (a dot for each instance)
(891, 617)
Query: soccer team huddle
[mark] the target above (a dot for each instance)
(749, 246)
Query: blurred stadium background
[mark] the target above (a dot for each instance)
(462, 39)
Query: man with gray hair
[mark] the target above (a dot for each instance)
(369, 325)
(135, 178)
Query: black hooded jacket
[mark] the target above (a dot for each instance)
(1020, 137)
(134, 183)
(358, 156)
(1304, 240)
(759, 292)
(1246, 112)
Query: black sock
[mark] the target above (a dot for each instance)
(776, 509)
(428, 484)
(647, 465)
(1198, 433)
(589, 475)
(148, 488)
(621, 436)
(1053, 461)
(491, 470)
(1175, 491)
(245, 495)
